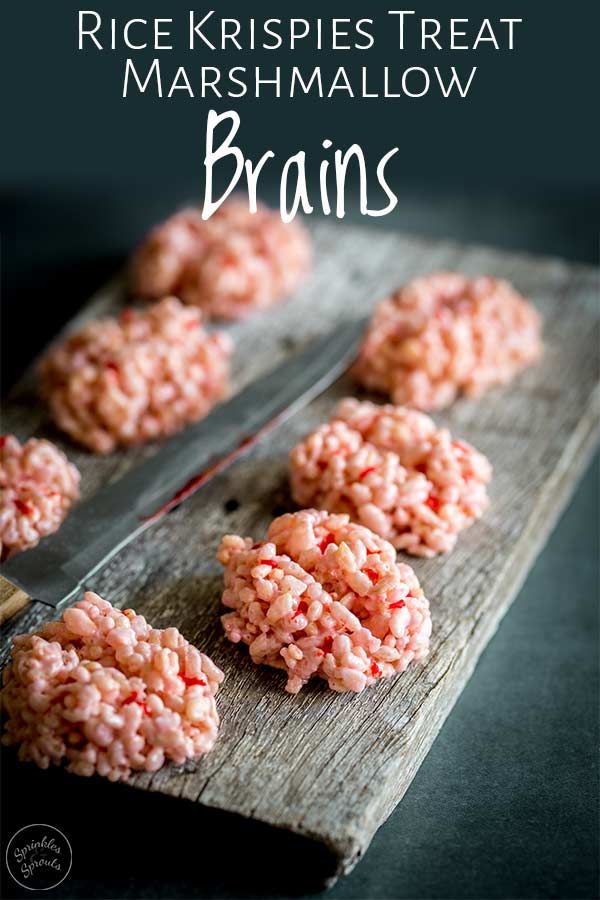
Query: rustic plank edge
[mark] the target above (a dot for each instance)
(277, 760)
(441, 700)
(545, 516)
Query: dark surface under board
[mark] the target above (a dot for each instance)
(504, 805)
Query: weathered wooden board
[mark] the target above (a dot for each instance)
(331, 766)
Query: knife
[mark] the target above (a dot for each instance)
(55, 571)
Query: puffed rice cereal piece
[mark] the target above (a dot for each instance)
(118, 382)
(391, 469)
(324, 597)
(106, 693)
(38, 485)
(444, 334)
(230, 265)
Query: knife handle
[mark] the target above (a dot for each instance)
(12, 599)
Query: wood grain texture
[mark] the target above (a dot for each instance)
(328, 766)
(12, 599)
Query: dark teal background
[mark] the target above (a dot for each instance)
(527, 121)
(85, 172)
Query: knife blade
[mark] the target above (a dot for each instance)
(55, 571)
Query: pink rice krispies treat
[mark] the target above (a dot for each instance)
(143, 376)
(445, 334)
(391, 469)
(324, 597)
(230, 265)
(106, 693)
(38, 485)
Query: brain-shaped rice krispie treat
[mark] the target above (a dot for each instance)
(445, 334)
(142, 376)
(104, 692)
(230, 265)
(390, 468)
(38, 484)
(324, 597)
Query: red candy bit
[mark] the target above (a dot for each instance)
(366, 472)
(372, 575)
(302, 609)
(268, 562)
(325, 542)
(327, 644)
(422, 468)
(190, 680)
(375, 670)
(433, 503)
(3, 439)
(397, 605)
(228, 259)
(126, 315)
(48, 493)
(24, 508)
(113, 370)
